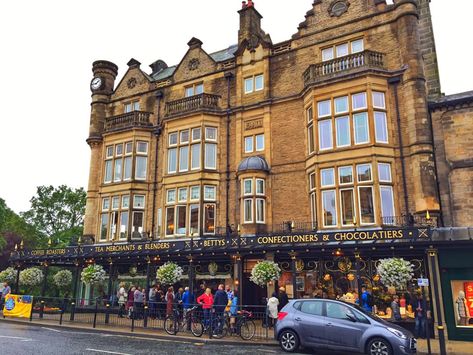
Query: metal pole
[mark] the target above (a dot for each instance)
(294, 275)
(191, 275)
(240, 281)
(435, 289)
(17, 280)
(45, 281)
(358, 276)
(74, 291)
(427, 327)
(110, 281)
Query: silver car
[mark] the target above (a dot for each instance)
(336, 325)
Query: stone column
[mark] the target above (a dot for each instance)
(92, 205)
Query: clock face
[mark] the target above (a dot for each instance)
(96, 83)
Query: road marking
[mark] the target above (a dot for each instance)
(18, 338)
(51, 329)
(106, 351)
(267, 351)
(152, 339)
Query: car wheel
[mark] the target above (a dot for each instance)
(379, 346)
(289, 341)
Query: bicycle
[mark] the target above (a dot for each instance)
(174, 324)
(244, 326)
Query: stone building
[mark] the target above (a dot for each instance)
(334, 147)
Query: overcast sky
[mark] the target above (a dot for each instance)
(48, 46)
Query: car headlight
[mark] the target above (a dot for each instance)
(397, 333)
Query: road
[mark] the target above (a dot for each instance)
(27, 339)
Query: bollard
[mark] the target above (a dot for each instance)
(60, 317)
(73, 311)
(133, 320)
(107, 313)
(145, 317)
(95, 314)
(41, 309)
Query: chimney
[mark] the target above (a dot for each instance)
(250, 22)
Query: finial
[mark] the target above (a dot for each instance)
(427, 215)
(16, 247)
(22, 244)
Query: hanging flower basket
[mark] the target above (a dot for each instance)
(31, 277)
(8, 275)
(264, 272)
(63, 278)
(169, 273)
(395, 272)
(93, 274)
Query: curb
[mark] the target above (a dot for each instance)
(141, 334)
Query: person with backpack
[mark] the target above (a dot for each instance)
(367, 300)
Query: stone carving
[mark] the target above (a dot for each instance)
(338, 8)
(131, 83)
(194, 64)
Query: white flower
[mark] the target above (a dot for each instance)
(395, 272)
(169, 273)
(93, 274)
(31, 277)
(62, 278)
(264, 272)
(8, 275)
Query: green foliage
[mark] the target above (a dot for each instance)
(57, 213)
(8, 275)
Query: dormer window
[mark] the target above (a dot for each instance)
(132, 106)
(195, 89)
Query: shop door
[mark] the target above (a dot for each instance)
(253, 295)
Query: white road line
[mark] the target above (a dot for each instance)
(17, 338)
(51, 329)
(106, 352)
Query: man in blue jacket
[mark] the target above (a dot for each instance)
(220, 302)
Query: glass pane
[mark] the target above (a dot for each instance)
(345, 174)
(195, 156)
(310, 138)
(182, 194)
(140, 172)
(337, 311)
(117, 175)
(381, 127)
(259, 142)
(211, 133)
(173, 138)
(196, 134)
(169, 220)
(359, 101)
(309, 114)
(248, 85)
(127, 169)
(209, 193)
(209, 218)
(199, 89)
(138, 201)
(313, 209)
(357, 46)
(181, 219)
(142, 147)
(136, 106)
(341, 104)
(184, 158)
(104, 226)
(105, 204)
(366, 204)
(210, 156)
(378, 100)
(172, 160)
(125, 201)
(119, 149)
(343, 131)
(116, 202)
(193, 219)
(260, 210)
(124, 225)
(384, 172)
(185, 136)
(314, 308)
(364, 172)
(360, 121)
(109, 151)
(189, 91)
(323, 108)
(327, 54)
(259, 186)
(348, 212)
(342, 50)
(248, 144)
(312, 181)
(129, 148)
(259, 82)
(325, 134)
(248, 186)
(329, 208)
(195, 192)
(248, 213)
(128, 107)
(108, 171)
(387, 204)
(171, 196)
(328, 177)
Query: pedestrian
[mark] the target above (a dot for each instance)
(283, 299)
(220, 302)
(234, 306)
(152, 301)
(229, 292)
(186, 300)
(396, 314)
(6, 290)
(130, 301)
(207, 301)
(161, 306)
(201, 290)
(366, 299)
(122, 297)
(272, 305)
(420, 312)
(178, 301)
(169, 300)
(138, 302)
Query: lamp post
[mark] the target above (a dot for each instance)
(435, 288)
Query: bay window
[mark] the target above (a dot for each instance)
(119, 162)
(114, 218)
(253, 200)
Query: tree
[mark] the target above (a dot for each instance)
(57, 213)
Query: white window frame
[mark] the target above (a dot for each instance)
(334, 191)
(262, 82)
(260, 221)
(376, 128)
(347, 99)
(353, 101)
(353, 206)
(179, 194)
(362, 45)
(175, 149)
(331, 134)
(106, 199)
(117, 153)
(133, 223)
(382, 204)
(340, 175)
(244, 187)
(312, 182)
(180, 136)
(359, 205)
(195, 187)
(311, 138)
(127, 226)
(125, 198)
(263, 193)
(203, 218)
(309, 112)
(117, 207)
(176, 218)
(117, 174)
(128, 144)
(198, 218)
(347, 119)
(180, 162)
(248, 80)
(256, 142)
(330, 109)
(344, 45)
(216, 134)
(105, 180)
(371, 173)
(326, 50)
(146, 168)
(390, 172)
(107, 149)
(214, 188)
(322, 176)
(168, 201)
(192, 155)
(166, 221)
(215, 156)
(249, 139)
(373, 93)
(367, 129)
(144, 202)
(251, 210)
(195, 129)
(171, 134)
(146, 144)
(128, 159)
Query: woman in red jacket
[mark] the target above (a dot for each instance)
(207, 301)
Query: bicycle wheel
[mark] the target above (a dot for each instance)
(219, 331)
(171, 325)
(197, 328)
(247, 329)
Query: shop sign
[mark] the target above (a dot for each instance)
(468, 286)
(423, 282)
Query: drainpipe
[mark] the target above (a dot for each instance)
(395, 82)
(435, 165)
(228, 76)
(157, 132)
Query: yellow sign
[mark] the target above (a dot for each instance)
(17, 306)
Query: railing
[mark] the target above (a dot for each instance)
(365, 59)
(128, 120)
(193, 103)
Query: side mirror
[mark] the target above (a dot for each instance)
(351, 317)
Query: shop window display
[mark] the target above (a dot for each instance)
(462, 292)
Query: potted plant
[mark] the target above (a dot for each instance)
(63, 279)
(169, 273)
(93, 274)
(31, 277)
(264, 272)
(395, 273)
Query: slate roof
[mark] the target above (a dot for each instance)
(253, 163)
(451, 100)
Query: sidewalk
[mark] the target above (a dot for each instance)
(453, 347)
